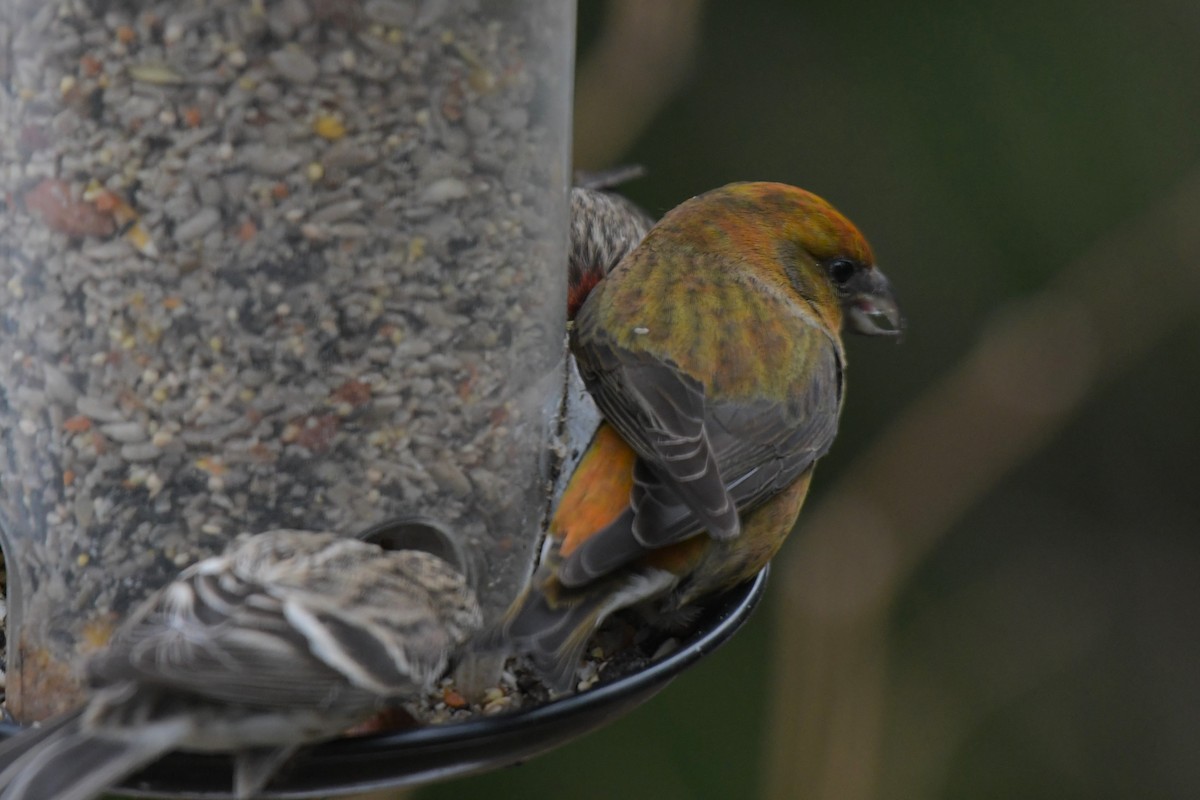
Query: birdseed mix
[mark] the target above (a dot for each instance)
(269, 263)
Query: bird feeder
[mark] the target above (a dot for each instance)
(281, 264)
(269, 264)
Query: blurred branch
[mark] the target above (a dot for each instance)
(386, 794)
(640, 59)
(1031, 371)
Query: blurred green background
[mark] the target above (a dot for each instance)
(995, 589)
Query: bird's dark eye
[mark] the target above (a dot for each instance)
(841, 270)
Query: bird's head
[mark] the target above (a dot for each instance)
(818, 253)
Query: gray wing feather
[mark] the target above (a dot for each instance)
(661, 413)
(758, 449)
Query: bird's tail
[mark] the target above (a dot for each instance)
(61, 761)
(551, 625)
(553, 635)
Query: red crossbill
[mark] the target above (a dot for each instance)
(714, 354)
(286, 638)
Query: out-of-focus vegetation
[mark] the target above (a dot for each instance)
(995, 589)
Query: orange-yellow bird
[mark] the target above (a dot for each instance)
(713, 351)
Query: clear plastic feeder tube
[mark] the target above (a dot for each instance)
(263, 264)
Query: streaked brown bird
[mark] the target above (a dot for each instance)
(287, 638)
(605, 227)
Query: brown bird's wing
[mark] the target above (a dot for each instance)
(225, 640)
(703, 456)
(264, 638)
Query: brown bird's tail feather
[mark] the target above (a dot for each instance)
(61, 761)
